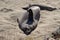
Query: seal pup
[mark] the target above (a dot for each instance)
(31, 17)
(29, 20)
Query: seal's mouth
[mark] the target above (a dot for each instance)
(27, 31)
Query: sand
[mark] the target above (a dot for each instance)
(48, 23)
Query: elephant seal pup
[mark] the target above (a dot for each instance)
(30, 20)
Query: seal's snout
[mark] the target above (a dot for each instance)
(27, 31)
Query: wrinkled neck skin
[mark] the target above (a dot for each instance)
(30, 17)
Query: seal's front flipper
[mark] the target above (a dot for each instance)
(26, 7)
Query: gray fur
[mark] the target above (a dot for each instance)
(27, 27)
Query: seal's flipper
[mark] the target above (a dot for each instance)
(26, 7)
(47, 8)
(42, 7)
(17, 20)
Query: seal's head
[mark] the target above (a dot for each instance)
(27, 29)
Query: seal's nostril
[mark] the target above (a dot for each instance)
(27, 31)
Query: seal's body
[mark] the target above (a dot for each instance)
(29, 23)
(31, 17)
